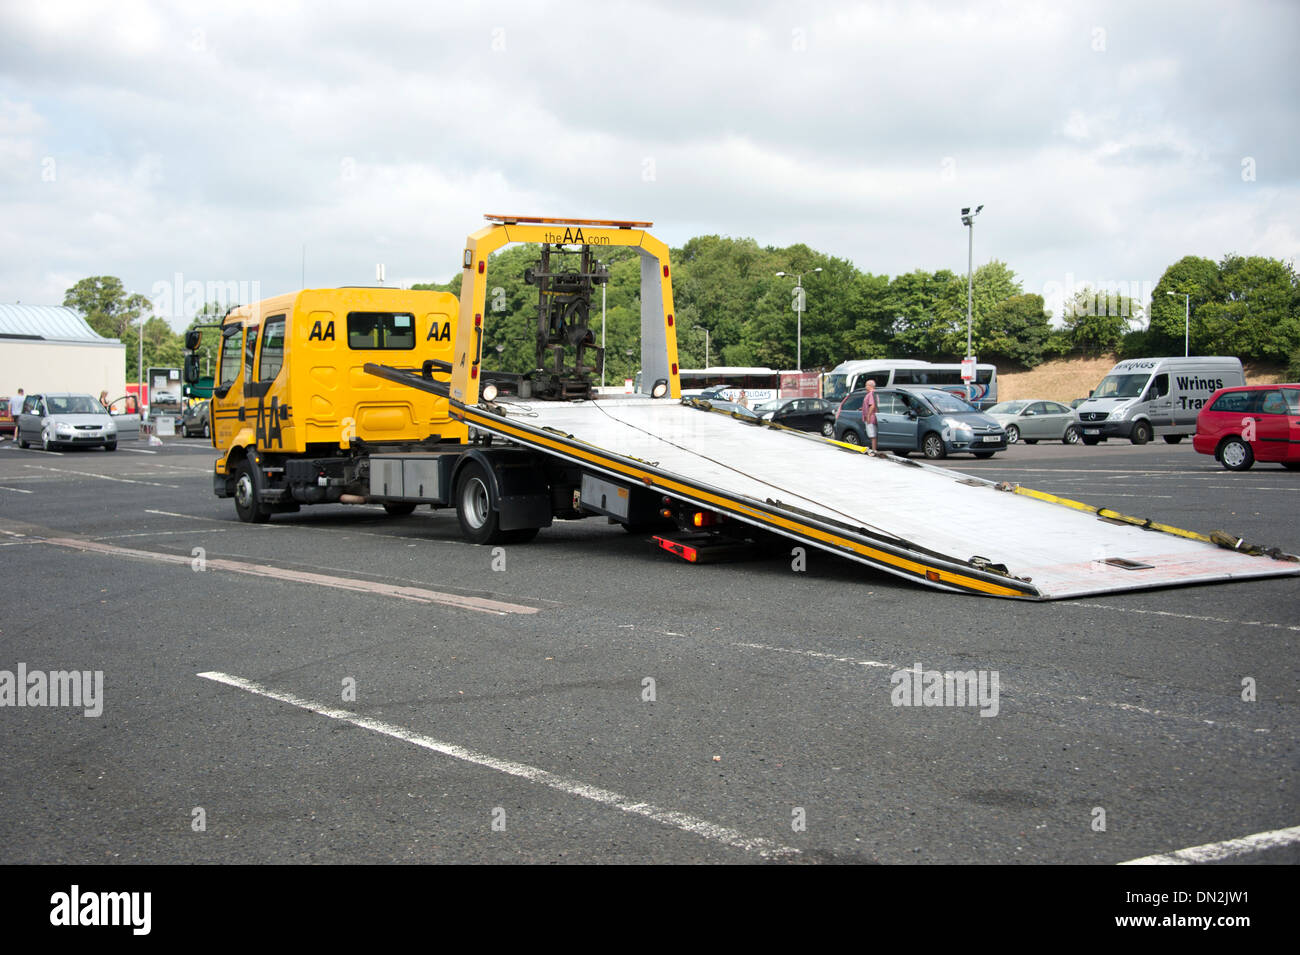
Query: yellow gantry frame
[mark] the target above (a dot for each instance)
(466, 368)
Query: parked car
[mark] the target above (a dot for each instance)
(7, 423)
(1240, 426)
(927, 420)
(66, 419)
(803, 414)
(1033, 421)
(196, 421)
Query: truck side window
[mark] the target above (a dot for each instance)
(231, 346)
(1159, 387)
(395, 330)
(272, 349)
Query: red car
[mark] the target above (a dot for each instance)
(1240, 426)
(6, 420)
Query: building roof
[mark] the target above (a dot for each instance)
(54, 323)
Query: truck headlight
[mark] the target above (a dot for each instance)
(1120, 413)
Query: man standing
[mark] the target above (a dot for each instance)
(869, 405)
(15, 409)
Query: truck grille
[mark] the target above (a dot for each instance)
(1093, 416)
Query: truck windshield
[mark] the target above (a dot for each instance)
(1121, 386)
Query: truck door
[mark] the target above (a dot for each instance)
(228, 392)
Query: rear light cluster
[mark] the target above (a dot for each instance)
(689, 518)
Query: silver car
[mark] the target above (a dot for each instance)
(58, 420)
(1032, 421)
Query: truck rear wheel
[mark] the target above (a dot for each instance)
(476, 507)
(247, 506)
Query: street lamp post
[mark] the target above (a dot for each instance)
(968, 220)
(798, 310)
(1187, 320)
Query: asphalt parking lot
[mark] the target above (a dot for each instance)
(342, 686)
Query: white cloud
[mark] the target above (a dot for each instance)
(219, 140)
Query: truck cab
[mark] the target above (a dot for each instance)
(295, 417)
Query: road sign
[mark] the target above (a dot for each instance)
(968, 369)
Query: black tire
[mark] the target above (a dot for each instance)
(902, 452)
(828, 429)
(1089, 441)
(932, 446)
(399, 508)
(476, 506)
(1236, 455)
(1071, 435)
(1291, 465)
(1031, 440)
(1013, 434)
(1142, 433)
(984, 454)
(1173, 438)
(111, 446)
(207, 429)
(247, 505)
(851, 437)
(22, 443)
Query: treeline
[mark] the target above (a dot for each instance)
(1247, 306)
(1243, 306)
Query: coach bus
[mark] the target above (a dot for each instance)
(852, 375)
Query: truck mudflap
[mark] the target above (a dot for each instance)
(938, 527)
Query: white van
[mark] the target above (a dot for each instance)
(1144, 397)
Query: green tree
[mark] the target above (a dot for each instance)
(106, 306)
(1254, 312)
(1096, 322)
(1191, 275)
(1015, 329)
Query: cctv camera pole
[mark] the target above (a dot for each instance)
(968, 220)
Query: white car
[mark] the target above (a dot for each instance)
(1032, 421)
(59, 420)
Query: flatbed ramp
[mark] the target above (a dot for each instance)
(932, 525)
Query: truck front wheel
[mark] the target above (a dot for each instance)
(247, 506)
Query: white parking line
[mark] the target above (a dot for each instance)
(1214, 851)
(1091, 701)
(102, 477)
(668, 817)
(16, 490)
(139, 451)
(416, 594)
(1181, 616)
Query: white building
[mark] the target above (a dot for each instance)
(52, 348)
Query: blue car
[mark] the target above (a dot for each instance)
(927, 420)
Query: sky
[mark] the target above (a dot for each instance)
(240, 148)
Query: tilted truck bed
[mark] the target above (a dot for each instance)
(924, 523)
